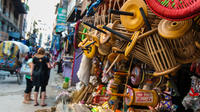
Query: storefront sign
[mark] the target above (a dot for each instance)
(3, 36)
(61, 17)
(60, 28)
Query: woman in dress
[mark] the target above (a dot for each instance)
(39, 76)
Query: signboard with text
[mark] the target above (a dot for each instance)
(60, 28)
(61, 20)
(61, 17)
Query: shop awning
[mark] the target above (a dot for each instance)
(71, 17)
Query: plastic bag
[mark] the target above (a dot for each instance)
(192, 100)
(84, 70)
(25, 69)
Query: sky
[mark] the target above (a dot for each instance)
(43, 10)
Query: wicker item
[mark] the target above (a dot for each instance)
(153, 19)
(139, 52)
(115, 18)
(135, 22)
(182, 42)
(175, 9)
(161, 56)
(173, 29)
(104, 38)
(104, 49)
(117, 26)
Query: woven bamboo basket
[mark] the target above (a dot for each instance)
(160, 55)
(114, 18)
(139, 52)
(116, 5)
(120, 44)
(117, 26)
(184, 48)
(153, 19)
(113, 39)
(182, 39)
(104, 49)
(102, 17)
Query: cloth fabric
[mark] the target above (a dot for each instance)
(29, 86)
(39, 71)
(84, 70)
(43, 88)
(47, 72)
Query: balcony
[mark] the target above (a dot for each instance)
(71, 10)
(21, 7)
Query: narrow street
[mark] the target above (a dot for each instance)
(11, 94)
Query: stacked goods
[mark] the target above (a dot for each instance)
(141, 62)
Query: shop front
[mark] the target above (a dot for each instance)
(3, 36)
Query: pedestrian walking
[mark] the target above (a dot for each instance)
(48, 69)
(47, 72)
(29, 85)
(39, 76)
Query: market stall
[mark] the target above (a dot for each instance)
(139, 56)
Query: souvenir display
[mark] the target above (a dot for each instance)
(134, 61)
(181, 39)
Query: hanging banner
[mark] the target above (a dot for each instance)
(60, 28)
(61, 20)
(61, 17)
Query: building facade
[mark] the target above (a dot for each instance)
(12, 19)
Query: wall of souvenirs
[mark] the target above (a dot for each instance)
(139, 56)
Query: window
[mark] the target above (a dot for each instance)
(2, 26)
(4, 6)
(10, 9)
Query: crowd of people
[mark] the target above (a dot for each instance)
(38, 78)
